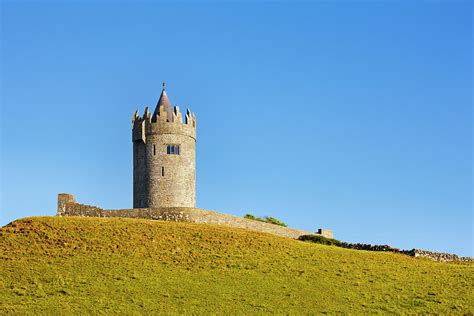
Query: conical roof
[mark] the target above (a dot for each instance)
(165, 102)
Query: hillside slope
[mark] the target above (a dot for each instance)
(68, 265)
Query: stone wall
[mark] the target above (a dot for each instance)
(140, 176)
(65, 202)
(437, 256)
(325, 232)
(67, 206)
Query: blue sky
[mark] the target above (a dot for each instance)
(352, 116)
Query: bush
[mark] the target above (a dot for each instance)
(318, 239)
(266, 219)
(274, 221)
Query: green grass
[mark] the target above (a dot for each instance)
(64, 265)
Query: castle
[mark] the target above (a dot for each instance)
(164, 157)
(164, 176)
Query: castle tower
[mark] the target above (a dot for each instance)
(164, 157)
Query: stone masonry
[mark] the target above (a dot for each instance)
(67, 206)
(162, 178)
(437, 256)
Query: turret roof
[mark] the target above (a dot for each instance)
(165, 102)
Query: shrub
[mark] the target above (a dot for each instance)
(274, 221)
(266, 219)
(318, 239)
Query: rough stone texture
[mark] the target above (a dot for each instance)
(159, 179)
(64, 202)
(68, 207)
(437, 256)
(326, 233)
(140, 178)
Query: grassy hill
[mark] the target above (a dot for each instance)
(62, 265)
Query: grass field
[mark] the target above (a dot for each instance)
(64, 265)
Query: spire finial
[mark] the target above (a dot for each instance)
(163, 84)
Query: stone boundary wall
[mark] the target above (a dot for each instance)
(437, 256)
(67, 206)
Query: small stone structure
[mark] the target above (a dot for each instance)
(325, 232)
(67, 206)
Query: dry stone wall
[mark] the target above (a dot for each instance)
(67, 206)
(437, 256)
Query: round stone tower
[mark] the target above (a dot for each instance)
(164, 157)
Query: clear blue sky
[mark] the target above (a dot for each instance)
(353, 116)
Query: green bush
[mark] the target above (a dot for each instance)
(266, 219)
(274, 221)
(318, 239)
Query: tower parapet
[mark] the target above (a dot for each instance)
(164, 164)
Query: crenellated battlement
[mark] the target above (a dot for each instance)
(164, 156)
(160, 124)
(166, 119)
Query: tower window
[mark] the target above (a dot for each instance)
(162, 171)
(172, 149)
(154, 150)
